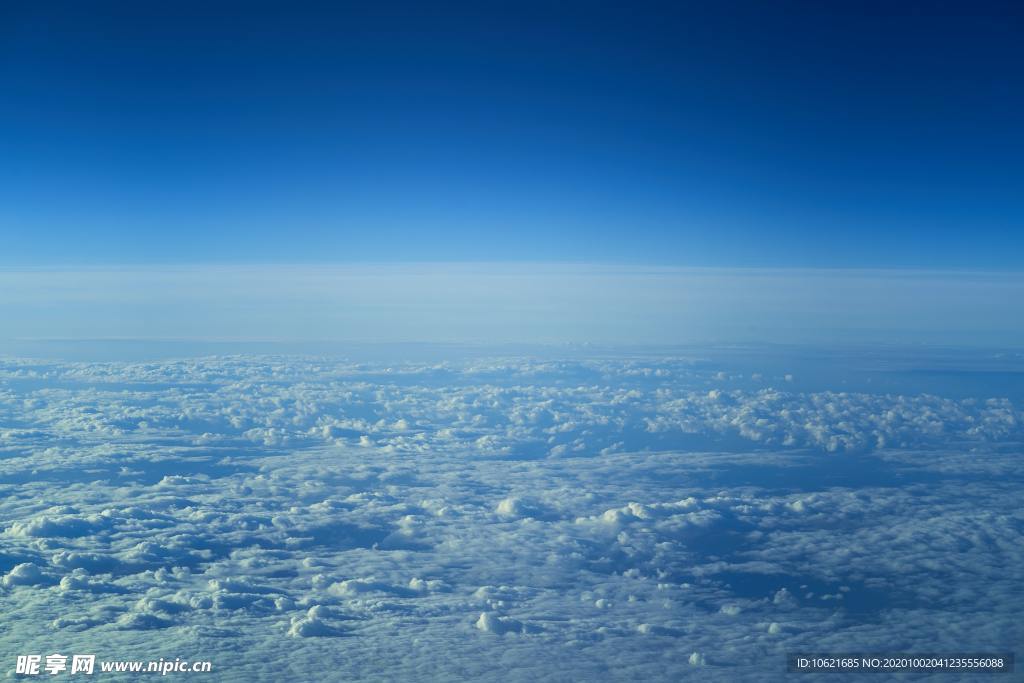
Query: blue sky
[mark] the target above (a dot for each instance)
(728, 134)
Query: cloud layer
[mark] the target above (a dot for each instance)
(625, 518)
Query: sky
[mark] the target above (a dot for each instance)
(510, 340)
(723, 135)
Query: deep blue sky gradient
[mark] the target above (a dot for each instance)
(868, 134)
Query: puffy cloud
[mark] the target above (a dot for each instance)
(24, 574)
(313, 624)
(488, 622)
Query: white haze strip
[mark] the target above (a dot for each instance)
(512, 302)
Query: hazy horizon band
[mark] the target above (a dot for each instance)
(513, 302)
